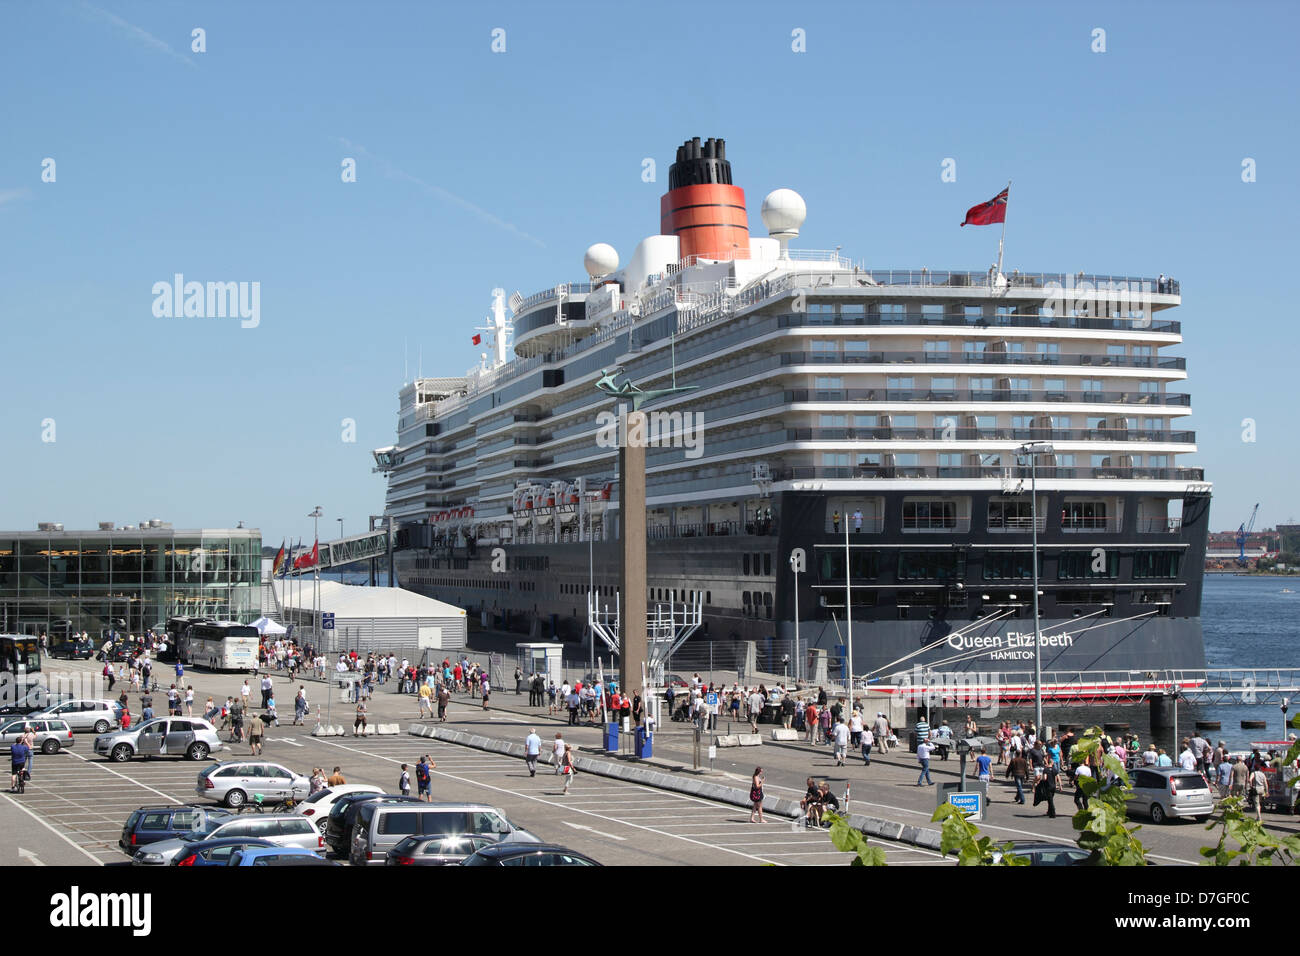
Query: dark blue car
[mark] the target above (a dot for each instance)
(152, 824)
(216, 852)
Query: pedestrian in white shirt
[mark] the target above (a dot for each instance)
(841, 733)
(557, 752)
(1187, 759)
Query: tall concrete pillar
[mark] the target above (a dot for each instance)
(632, 631)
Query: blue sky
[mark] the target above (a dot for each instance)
(478, 169)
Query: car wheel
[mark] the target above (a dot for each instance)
(235, 799)
(101, 726)
(1157, 813)
(121, 753)
(197, 751)
(50, 746)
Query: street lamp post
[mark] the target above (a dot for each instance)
(1032, 450)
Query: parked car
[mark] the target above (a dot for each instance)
(435, 850)
(69, 649)
(528, 854)
(99, 716)
(189, 737)
(52, 734)
(317, 806)
(148, 825)
(1044, 853)
(279, 829)
(381, 825)
(236, 782)
(214, 852)
(1163, 792)
(343, 814)
(277, 856)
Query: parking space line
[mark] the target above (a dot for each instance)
(560, 804)
(62, 836)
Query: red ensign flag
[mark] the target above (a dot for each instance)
(987, 213)
(477, 339)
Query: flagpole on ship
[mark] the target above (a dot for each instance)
(1003, 238)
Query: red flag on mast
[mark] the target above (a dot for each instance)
(988, 213)
(477, 339)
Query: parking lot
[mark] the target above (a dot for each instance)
(87, 800)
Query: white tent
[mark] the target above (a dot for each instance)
(267, 626)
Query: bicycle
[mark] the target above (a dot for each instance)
(258, 804)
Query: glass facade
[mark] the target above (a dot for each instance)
(130, 580)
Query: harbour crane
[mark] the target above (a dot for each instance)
(1244, 532)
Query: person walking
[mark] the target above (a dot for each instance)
(519, 679)
(266, 688)
(300, 705)
(1051, 782)
(425, 700)
(444, 698)
(868, 739)
(1081, 772)
(360, 720)
(923, 758)
(336, 779)
(567, 767)
(881, 730)
(532, 750)
(1256, 792)
(1018, 770)
(756, 795)
(557, 752)
(404, 782)
(841, 734)
(486, 686)
(189, 701)
(255, 731)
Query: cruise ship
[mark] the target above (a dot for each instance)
(921, 427)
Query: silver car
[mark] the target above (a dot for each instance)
(237, 782)
(189, 737)
(282, 829)
(51, 735)
(1163, 792)
(99, 716)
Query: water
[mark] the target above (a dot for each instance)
(1248, 622)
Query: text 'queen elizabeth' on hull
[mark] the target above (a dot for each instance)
(930, 425)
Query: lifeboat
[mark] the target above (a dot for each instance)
(567, 509)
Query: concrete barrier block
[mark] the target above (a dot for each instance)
(726, 740)
(871, 826)
(890, 830)
(418, 730)
(930, 839)
(781, 733)
(750, 740)
(910, 834)
(388, 728)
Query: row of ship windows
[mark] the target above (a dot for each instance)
(950, 566)
(942, 349)
(1083, 304)
(992, 422)
(980, 383)
(991, 460)
(483, 584)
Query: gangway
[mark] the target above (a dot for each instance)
(357, 547)
(668, 625)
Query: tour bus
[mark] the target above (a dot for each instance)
(221, 645)
(20, 674)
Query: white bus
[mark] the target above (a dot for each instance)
(221, 646)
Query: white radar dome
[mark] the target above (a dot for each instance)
(600, 260)
(783, 213)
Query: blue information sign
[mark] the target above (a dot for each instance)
(326, 621)
(968, 802)
(711, 699)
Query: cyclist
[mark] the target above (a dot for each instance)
(18, 756)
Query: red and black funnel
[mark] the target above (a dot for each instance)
(702, 208)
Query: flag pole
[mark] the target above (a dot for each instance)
(1003, 238)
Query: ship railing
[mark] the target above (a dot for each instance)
(1077, 523)
(842, 357)
(1159, 525)
(1078, 285)
(1014, 525)
(564, 288)
(986, 395)
(1018, 435)
(868, 470)
(960, 320)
